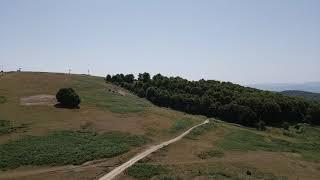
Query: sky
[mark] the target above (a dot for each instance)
(242, 41)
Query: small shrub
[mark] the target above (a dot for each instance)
(3, 99)
(67, 97)
(249, 173)
(5, 127)
(288, 133)
(261, 126)
(286, 125)
(146, 171)
(210, 153)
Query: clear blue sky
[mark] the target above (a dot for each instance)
(243, 41)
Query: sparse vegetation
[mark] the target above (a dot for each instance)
(3, 99)
(5, 127)
(243, 140)
(211, 153)
(116, 103)
(181, 125)
(67, 97)
(108, 99)
(200, 131)
(66, 147)
(146, 171)
(225, 170)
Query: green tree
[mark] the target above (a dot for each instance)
(67, 97)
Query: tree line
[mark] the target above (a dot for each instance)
(227, 101)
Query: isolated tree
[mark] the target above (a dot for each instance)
(108, 78)
(67, 97)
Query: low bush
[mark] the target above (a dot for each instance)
(67, 97)
(3, 99)
(211, 153)
(146, 171)
(5, 127)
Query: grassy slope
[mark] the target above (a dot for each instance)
(218, 151)
(103, 110)
(225, 151)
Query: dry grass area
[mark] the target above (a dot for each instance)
(104, 108)
(42, 117)
(108, 108)
(38, 100)
(185, 163)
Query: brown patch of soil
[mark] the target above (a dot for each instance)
(38, 100)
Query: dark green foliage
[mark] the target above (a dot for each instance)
(146, 171)
(286, 125)
(108, 78)
(67, 97)
(303, 94)
(261, 126)
(145, 77)
(66, 147)
(3, 99)
(5, 127)
(230, 102)
(129, 78)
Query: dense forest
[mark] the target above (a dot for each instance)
(303, 94)
(227, 101)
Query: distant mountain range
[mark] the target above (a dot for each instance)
(304, 94)
(279, 87)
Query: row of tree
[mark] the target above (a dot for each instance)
(227, 101)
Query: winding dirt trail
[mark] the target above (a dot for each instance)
(145, 153)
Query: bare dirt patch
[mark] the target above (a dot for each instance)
(38, 100)
(123, 93)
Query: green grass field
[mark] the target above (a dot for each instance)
(146, 171)
(242, 140)
(180, 125)
(195, 133)
(66, 147)
(107, 99)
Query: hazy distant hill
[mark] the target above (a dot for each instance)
(279, 87)
(307, 95)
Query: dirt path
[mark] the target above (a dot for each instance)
(142, 155)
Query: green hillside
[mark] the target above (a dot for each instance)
(39, 140)
(307, 95)
(225, 100)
